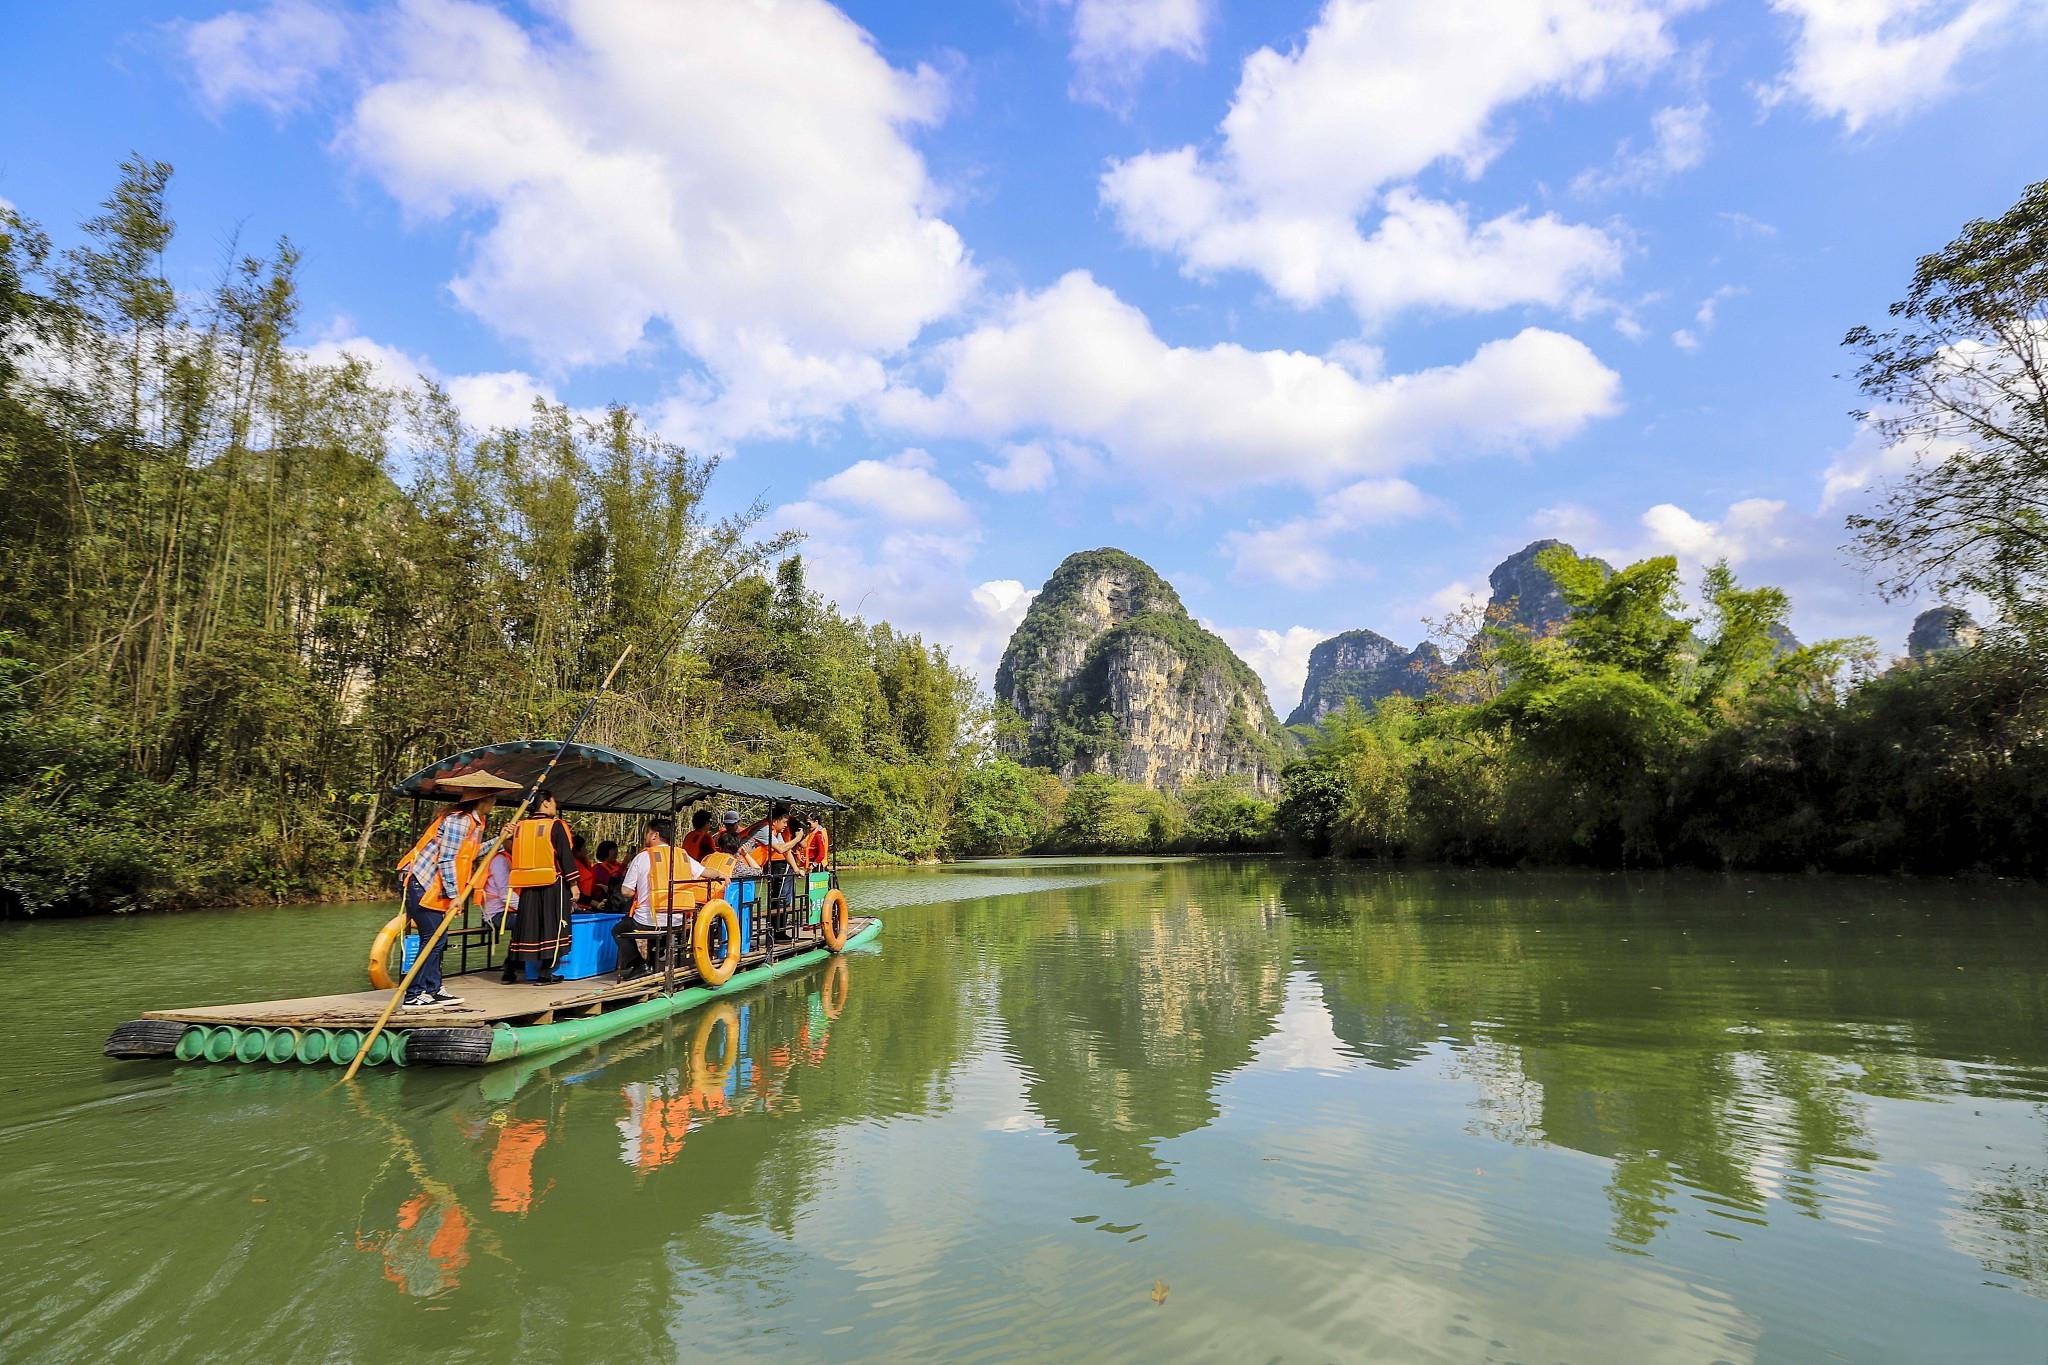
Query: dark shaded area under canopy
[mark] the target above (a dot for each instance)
(591, 777)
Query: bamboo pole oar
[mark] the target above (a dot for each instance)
(454, 911)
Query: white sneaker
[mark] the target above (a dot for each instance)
(420, 1000)
(443, 998)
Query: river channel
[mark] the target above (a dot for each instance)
(1090, 1110)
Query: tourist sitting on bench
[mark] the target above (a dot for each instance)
(658, 870)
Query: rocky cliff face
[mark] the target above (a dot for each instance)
(1526, 592)
(1941, 629)
(1362, 666)
(1110, 674)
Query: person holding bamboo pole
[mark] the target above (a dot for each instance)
(436, 873)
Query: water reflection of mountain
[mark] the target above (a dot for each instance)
(1122, 1006)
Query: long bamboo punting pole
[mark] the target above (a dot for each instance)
(484, 860)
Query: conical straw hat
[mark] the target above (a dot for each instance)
(478, 783)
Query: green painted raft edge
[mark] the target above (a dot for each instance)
(509, 1041)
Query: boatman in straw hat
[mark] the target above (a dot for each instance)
(437, 869)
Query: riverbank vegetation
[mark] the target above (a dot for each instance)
(245, 591)
(1646, 732)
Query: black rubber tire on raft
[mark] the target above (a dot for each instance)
(447, 1046)
(145, 1038)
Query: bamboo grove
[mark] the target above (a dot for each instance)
(244, 592)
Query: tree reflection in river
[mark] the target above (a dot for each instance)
(1342, 1112)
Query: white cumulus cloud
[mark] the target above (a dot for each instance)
(1279, 657)
(1864, 61)
(275, 57)
(905, 488)
(1076, 361)
(1678, 142)
(738, 176)
(1115, 40)
(1749, 528)
(498, 398)
(1308, 551)
(1024, 467)
(1377, 92)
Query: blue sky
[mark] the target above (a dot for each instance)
(1321, 308)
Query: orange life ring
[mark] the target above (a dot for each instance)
(716, 973)
(704, 1076)
(833, 921)
(388, 938)
(832, 994)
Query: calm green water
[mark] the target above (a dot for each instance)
(1328, 1113)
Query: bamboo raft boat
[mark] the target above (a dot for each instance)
(498, 1021)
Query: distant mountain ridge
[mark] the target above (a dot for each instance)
(1362, 666)
(1366, 667)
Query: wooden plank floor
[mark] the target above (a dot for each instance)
(485, 999)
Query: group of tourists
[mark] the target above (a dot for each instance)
(541, 871)
(780, 847)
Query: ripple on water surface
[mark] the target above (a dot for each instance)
(1086, 1109)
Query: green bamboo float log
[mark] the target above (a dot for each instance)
(380, 1050)
(254, 1043)
(283, 1046)
(313, 1046)
(221, 1044)
(342, 1047)
(192, 1043)
(400, 1045)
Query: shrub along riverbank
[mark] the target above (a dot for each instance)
(245, 591)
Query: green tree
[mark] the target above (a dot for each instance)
(1959, 379)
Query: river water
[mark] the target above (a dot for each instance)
(1091, 1110)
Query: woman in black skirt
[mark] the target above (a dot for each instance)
(540, 926)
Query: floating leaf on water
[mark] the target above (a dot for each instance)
(1159, 1291)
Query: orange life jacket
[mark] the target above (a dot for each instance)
(660, 859)
(433, 898)
(533, 853)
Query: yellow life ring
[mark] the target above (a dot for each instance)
(832, 995)
(381, 947)
(704, 1076)
(833, 921)
(716, 973)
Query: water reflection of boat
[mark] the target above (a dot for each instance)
(727, 932)
(503, 1157)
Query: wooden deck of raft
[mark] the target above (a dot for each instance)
(485, 999)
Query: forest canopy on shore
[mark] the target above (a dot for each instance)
(244, 592)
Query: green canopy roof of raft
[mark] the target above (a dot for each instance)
(591, 777)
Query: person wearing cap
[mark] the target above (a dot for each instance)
(731, 838)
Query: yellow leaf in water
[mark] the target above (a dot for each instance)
(258, 1199)
(1159, 1291)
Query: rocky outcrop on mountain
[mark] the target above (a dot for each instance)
(1362, 666)
(1941, 629)
(1525, 594)
(1111, 675)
